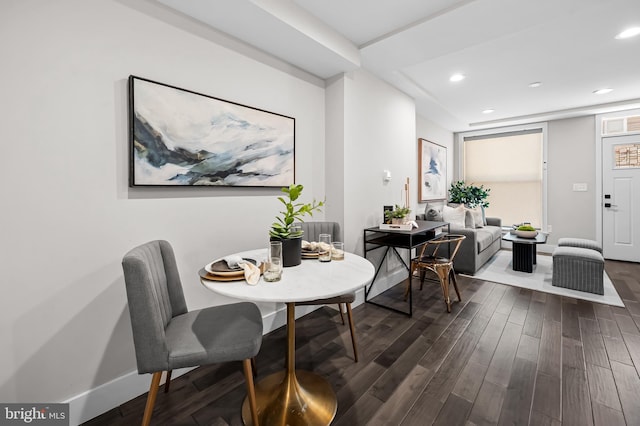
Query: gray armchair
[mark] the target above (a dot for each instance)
(167, 336)
(311, 232)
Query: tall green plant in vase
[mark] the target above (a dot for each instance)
(282, 229)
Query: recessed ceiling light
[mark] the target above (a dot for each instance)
(535, 84)
(456, 77)
(488, 111)
(629, 32)
(602, 91)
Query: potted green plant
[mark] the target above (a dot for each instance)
(398, 215)
(469, 195)
(526, 231)
(282, 229)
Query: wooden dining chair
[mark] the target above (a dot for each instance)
(312, 231)
(167, 336)
(437, 256)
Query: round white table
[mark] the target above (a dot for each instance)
(296, 397)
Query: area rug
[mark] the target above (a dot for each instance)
(499, 270)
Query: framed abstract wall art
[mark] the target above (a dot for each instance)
(182, 138)
(432, 170)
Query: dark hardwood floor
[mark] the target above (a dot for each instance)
(504, 356)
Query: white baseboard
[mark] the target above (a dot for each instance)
(96, 401)
(103, 398)
(92, 403)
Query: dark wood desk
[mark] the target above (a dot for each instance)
(375, 238)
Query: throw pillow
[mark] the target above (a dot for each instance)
(433, 211)
(455, 216)
(476, 213)
(469, 220)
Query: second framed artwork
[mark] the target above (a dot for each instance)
(432, 171)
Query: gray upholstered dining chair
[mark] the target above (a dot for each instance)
(167, 336)
(311, 232)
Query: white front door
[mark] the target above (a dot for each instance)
(621, 198)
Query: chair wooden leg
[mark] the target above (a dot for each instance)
(254, 367)
(352, 328)
(251, 392)
(452, 275)
(341, 314)
(167, 382)
(443, 275)
(151, 398)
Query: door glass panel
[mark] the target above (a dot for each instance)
(626, 156)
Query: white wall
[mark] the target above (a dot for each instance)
(334, 166)
(69, 215)
(571, 159)
(379, 135)
(376, 132)
(370, 128)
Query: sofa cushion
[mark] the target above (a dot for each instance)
(476, 215)
(433, 211)
(468, 219)
(455, 216)
(486, 236)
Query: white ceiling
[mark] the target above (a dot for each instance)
(501, 46)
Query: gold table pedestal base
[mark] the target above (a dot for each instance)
(291, 399)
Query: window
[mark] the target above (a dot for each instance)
(511, 164)
(626, 156)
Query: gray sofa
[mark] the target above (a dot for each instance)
(482, 242)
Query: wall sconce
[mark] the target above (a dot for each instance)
(386, 176)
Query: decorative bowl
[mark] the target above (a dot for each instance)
(526, 234)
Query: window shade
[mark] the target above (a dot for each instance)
(499, 159)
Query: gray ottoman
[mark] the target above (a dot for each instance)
(578, 269)
(580, 242)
